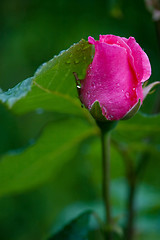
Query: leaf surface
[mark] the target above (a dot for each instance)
(84, 227)
(43, 160)
(53, 87)
(139, 127)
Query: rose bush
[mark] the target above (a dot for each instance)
(114, 78)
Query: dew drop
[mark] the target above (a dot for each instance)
(134, 89)
(93, 85)
(88, 94)
(122, 90)
(68, 61)
(82, 105)
(117, 84)
(76, 61)
(105, 110)
(98, 84)
(110, 117)
(127, 94)
(31, 141)
(39, 111)
(84, 58)
(138, 75)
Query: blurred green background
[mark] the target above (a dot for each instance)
(32, 32)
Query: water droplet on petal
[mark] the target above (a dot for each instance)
(105, 110)
(105, 75)
(88, 94)
(134, 89)
(122, 90)
(138, 75)
(93, 84)
(117, 84)
(99, 84)
(127, 94)
(110, 117)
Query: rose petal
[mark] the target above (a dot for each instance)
(91, 40)
(141, 61)
(110, 80)
(122, 42)
(139, 91)
(112, 39)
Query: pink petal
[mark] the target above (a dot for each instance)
(139, 91)
(91, 40)
(122, 42)
(110, 80)
(141, 61)
(112, 39)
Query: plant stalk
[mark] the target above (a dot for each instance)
(131, 212)
(105, 141)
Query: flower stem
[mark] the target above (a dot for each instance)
(131, 212)
(105, 141)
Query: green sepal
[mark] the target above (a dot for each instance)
(148, 88)
(132, 111)
(104, 124)
(96, 112)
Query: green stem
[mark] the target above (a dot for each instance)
(131, 212)
(131, 175)
(133, 178)
(105, 141)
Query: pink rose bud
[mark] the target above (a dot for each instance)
(114, 78)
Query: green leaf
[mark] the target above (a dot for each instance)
(139, 138)
(53, 86)
(44, 159)
(10, 137)
(84, 227)
(139, 127)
